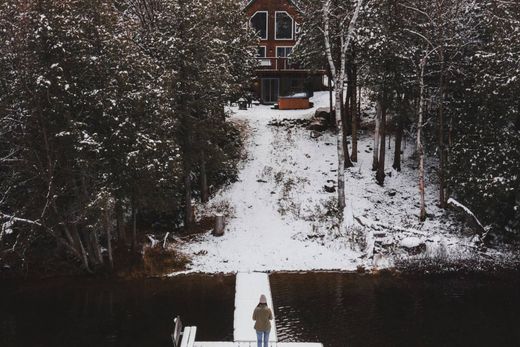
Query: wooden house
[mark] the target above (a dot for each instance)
(276, 23)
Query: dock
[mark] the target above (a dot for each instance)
(248, 288)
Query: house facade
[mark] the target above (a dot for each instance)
(276, 23)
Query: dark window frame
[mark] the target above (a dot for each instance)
(266, 24)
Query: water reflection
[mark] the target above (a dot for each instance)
(352, 310)
(101, 313)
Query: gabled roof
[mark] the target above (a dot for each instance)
(292, 2)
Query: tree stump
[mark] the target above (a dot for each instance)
(218, 230)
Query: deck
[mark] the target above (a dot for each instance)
(253, 344)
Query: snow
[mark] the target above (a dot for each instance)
(410, 242)
(280, 218)
(249, 287)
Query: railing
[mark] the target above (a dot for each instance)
(276, 64)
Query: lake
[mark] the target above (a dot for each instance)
(336, 309)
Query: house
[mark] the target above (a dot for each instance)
(276, 23)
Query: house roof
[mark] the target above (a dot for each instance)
(292, 2)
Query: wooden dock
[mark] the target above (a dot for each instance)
(253, 344)
(248, 288)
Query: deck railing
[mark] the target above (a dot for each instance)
(273, 63)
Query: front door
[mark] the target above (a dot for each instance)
(270, 90)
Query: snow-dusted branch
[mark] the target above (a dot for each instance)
(12, 218)
(482, 230)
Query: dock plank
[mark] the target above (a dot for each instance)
(191, 338)
(253, 344)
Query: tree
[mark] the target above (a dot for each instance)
(338, 73)
(208, 60)
(483, 156)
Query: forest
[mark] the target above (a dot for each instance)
(444, 71)
(113, 125)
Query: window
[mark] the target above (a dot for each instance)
(259, 24)
(283, 52)
(284, 26)
(260, 53)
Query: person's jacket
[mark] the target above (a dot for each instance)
(262, 315)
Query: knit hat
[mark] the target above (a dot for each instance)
(263, 299)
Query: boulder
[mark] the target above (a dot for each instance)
(329, 189)
(413, 245)
(317, 124)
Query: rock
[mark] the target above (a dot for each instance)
(315, 134)
(413, 245)
(392, 192)
(324, 114)
(317, 124)
(329, 189)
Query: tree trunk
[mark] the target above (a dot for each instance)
(186, 160)
(108, 228)
(94, 248)
(204, 193)
(344, 121)
(189, 218)
(354, 114)
(341, 152)
(442, 150)
(375, 159)
(219, 225)
(380, 174)
(79, 246)
(345, 111)
(120, 223)
(420, 149)
(398, 142)
(359, 103)
(134, 226)
(339, 79)
(330, 94)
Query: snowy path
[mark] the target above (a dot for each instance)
(281, 218)
(276, 180)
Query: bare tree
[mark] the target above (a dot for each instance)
(338, 74)
(375, 160)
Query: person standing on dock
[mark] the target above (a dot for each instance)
(262, 316)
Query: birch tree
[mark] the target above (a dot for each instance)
(338, 73)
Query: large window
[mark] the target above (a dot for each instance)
(284, 26)
(259, 24)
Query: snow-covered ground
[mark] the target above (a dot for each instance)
(279, 216)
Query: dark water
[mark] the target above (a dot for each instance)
(349, 310)
(336, 309)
